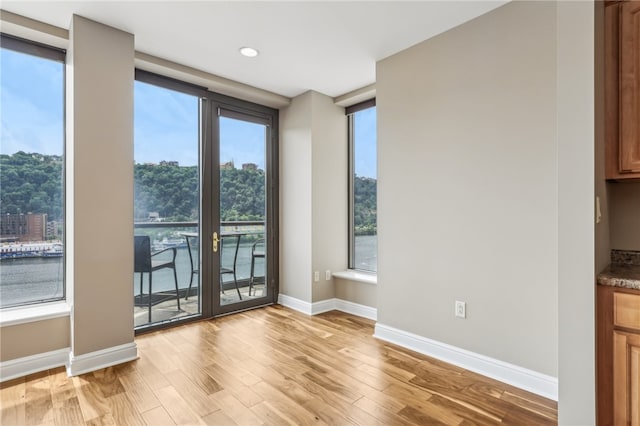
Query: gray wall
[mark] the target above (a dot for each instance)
(357, 292)
(313, 196)
(329, 192)
(576, 246)
(467, 187)
(99, 185)
(624, 203)
(295, 199)
(34, 338)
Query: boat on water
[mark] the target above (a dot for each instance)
(33, 249)
(166, 243)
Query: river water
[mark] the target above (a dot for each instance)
(38, 279)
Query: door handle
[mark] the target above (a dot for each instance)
(215, 240)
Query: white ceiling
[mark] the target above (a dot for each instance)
(327, 46)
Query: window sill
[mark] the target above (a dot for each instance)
(352, 275)
(27, 314)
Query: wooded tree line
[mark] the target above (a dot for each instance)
(365, 205)
(172, 192)
(32, 182)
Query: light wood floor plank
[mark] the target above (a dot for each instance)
(39, 411)
(158, 416)
(236, 410)
(327, 413)
(271, 366)
(105, 420)
(294, 412)
(107, 380)
(61, 386)
(241, 391)
(92, 402)
(381, 413)
(12, 398)
(149, 373)
(194, 396)
(69, 413)
(270, 416)
(219, 418)
(123, 411)
(177, 407)
(139, 392)
(38, 403)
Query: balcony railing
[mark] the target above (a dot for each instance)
(171, 234)
(174, 234)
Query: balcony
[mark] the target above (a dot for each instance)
(164, 235)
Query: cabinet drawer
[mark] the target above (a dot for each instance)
(626, 310)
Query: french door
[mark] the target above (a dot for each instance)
(205, 203)
(240, 162)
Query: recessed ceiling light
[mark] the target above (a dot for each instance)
(249, 52)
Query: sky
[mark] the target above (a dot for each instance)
(166, 122)
(31, 104)
(365, 143)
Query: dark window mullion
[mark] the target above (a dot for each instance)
(32, 48)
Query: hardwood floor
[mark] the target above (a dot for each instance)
(271, 366)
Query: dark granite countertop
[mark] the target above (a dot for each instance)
(624, 270)
(615, 275)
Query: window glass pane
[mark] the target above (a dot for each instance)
(31, 179)
(365, 240)
(242, 210)
(166, 202)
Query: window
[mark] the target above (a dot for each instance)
(166, 198)
(363, 231)
(31, 173)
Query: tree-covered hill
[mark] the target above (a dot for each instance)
(365, 205)
(32, 182)
(172, 192)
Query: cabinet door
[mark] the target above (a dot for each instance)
(630, 86)
(626, 378)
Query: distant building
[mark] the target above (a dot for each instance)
(249, 166)
(227, 166)
(169, 163)
(23, 227)
(53, 229)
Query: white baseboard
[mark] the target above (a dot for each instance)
(356, 309)
(328, 305)
(529, 380)
(32, 364)
(323, 306)
(295, 304)
(92, 361)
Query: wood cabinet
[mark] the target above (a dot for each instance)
(626, 378)
(622, 89)
(618, 340)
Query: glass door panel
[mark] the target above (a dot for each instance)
(243, 213)
(166, 282)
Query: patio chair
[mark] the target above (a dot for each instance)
(193, 261)
(230, 269)
(257, 252)
(144, 262)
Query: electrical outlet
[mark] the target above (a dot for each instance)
(461, 309)
(327, 275)
(316, 276)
